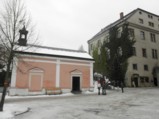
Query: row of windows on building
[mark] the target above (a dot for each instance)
(141, 21)
(132, 34)
(150, 16)
(151, 24)
(135, 67)
(144, 53)
(142, 35)
(142, 78)
(152, 36)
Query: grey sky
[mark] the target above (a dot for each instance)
(71, 23)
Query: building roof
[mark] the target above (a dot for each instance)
(53, 52)
(120, 20)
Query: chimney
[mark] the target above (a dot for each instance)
(121, 15)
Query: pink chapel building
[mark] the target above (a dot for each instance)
(40, 69)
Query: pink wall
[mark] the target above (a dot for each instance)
(65, 75)
(49, 74)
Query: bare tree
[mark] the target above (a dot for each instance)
(13, 17)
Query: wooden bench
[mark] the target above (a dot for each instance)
(53, 91)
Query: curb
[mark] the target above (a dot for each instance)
(20, 113)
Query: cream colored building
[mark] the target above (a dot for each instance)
(143, 69)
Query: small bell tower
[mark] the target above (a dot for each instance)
(23, 37)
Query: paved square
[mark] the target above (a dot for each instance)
(134, 103)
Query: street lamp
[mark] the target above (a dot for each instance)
(23, 37)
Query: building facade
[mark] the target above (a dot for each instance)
(37, 71)
(143, 68)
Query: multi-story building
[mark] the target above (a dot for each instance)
(143, 68)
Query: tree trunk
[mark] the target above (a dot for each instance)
(4, 89)
(3, 98)
(6, 82)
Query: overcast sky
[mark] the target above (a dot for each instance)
(71, 23)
